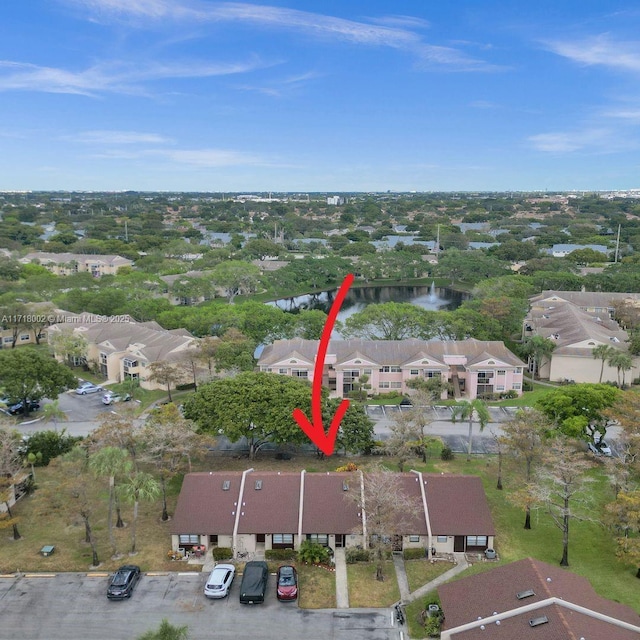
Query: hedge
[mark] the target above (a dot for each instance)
(222, 553)
(414, 553)
(280, 554)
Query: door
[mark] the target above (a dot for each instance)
(339, 540)
(458, 544)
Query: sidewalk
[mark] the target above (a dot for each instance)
(342, 587)
(461, 565)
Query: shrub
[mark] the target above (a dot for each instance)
(49, 444)
(446, 453)
(351, 466)
(313, 553)
(222, 553)
(509, 395)
(353, 555)
(280, 554)
(432, 627)
(414, 553)
(185, 386)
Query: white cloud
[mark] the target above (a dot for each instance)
(628, 115)
(595, 140)
(118, 137)
(395, 33)
(601, 50)
(110, 77)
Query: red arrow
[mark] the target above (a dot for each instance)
(315, 431)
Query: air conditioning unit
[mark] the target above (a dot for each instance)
(433, 610)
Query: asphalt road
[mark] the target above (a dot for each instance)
(74, 607)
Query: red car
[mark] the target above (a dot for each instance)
(287, 587)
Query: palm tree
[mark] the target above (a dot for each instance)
(472, 410)
(112, 462)
(602, 352)
(139, 486)
(538, 348)
(52, 411)
(622, 362)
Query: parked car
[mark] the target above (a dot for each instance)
(219, 581)
(287, 588)
(254, 582)
(18, 407)
(600, 448)
(111, 397)
(87, 387)
(123, 581)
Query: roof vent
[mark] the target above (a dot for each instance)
(521, 595)
(226, 485)
(258, 485)
(536, 622)
(345, 485)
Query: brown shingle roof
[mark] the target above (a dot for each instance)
(327, 507)
(204, 507)
(468, 599)
(274, 507)
(471, 514)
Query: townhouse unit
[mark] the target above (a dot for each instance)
(577, 322)
(532, 599)
(253, 511)
(64, 264)
(118, 347)
(474, 368)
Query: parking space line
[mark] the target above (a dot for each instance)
(40, 575)
(97, 575)
(8, 575)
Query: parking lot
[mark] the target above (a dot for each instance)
(74, 606)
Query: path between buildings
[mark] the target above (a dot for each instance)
(406, 597)
(342, 585)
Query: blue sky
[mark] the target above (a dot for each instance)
(339, 95)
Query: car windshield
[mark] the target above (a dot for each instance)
(120, 579)
(286, 578)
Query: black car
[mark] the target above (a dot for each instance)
(123, 581)
(254, 582)
(18, 407)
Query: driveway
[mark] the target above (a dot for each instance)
(73, 606)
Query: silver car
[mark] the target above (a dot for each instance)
(219, 581)
(87, 387)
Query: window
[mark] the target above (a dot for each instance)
(283, 372)
(476, 541)
(502, 372)
(484, 375)
(299, 373)
(319, 538)
(414, 372)
(384, 385)
(189, 538)
(367, 372)
(282, 538)
(518, 369)
(499, 387)
(428, 373)
(103, 358)
(517, 386)
(8, 340)
(396, 385)
(390, 369)
(396, 370)
(414, 538)
(25, 337)
(130, 364)
(441, 538)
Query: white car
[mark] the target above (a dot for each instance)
(111, 397)
(87, 387)
(219, 581)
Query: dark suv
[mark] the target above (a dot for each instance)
(123, 581)
(18, 407)
(254, 582)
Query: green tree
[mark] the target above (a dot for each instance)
(356, 434)
(10, 468)
(236, 278)
(166, 373)
(538, 349)
(138, 487)
(386, 321)
(602, 352)
(472, 410)
(111, 462)
(255, 406)
(52, 412)
(621, 362)
(523, 439)
(68, 344)
(170, 443)
(578, 410)
(29, 374)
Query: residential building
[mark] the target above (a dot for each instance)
(254, 511)
(532, 599)
(578, 322)
(64, 264)
(563, 250)
(474, 368)
(118, 347)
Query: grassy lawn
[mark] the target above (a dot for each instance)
(412, 615)
(591, 547)
(317, 587)
(366, 591)
(40, 525)
(527, 399)
(420, 572)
